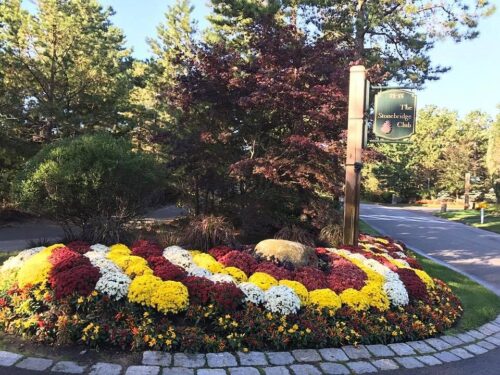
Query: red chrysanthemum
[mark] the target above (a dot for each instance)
(165, 270)
(344, 275)
(414, 285)
(199, 289)
(226, 296)
(146, 249)
(241, 260)
(279, 273)
(63, 259)
(71, 273)
(312, 278)
(79, 246)
(219, 251)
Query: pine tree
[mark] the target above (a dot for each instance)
(64, 67)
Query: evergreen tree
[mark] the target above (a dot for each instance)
(63, 67)
(393, 36)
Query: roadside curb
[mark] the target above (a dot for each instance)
(346, 360)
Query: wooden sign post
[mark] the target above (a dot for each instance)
(355, 135)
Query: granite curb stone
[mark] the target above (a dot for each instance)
(68, 367)
(385, 364)
(8, 359)
(102, 368)
(356, 352)
(35, 364)
(178, 371)
(330, 361)
(334, 368)
(361, 367)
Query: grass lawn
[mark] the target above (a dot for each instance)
(472, 217)
(480, 304)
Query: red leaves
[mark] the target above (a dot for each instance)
(79, 246)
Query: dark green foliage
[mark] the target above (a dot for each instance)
(94, 182)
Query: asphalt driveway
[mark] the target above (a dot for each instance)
(471, 251)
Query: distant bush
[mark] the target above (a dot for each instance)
(206, 231)
(94, 182)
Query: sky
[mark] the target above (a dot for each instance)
(472, 84)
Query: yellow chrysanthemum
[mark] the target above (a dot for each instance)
(207, 262)
(142, 288)
(119, 249)
(36, 269)
(355, 299)
(236, 273)
(299, 289)
(170, 297)
(322, 298)
(195, 252)
(376, 296)
(424, 276)
(263, 280)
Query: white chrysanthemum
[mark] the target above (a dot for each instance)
(113, 284)
(281, 299)
(194, 270)
(252, 293)
(397, 293)
(221, 278)
(99, 248)
(401, 254)
(18, 260)
(393, 286)
(99, 260)
(178, 256)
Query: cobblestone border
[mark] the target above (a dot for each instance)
(330, 361)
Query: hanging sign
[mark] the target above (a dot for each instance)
(395, 114)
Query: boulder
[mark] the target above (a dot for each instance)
(287, 251)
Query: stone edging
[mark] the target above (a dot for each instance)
(346, 360)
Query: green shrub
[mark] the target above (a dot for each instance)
(94, 182)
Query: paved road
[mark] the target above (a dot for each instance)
(474, 252)
(18, 236)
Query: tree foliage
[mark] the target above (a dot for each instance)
(63, 67)
(95, 182)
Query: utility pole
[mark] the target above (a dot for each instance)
(355, 134)
(467, 191)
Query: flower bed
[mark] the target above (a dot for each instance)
(227, 299)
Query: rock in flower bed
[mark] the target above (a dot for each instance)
(146, 297)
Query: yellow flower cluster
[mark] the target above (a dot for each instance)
(373, 292)
(207, 262)
(170, 296)
(355, 299)
(142, 288)
(424, 276)
(236, 273)
(165, 296)
(130, 264)
(36, 269)
(299, 289)
(263, 280)
(322, 298)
